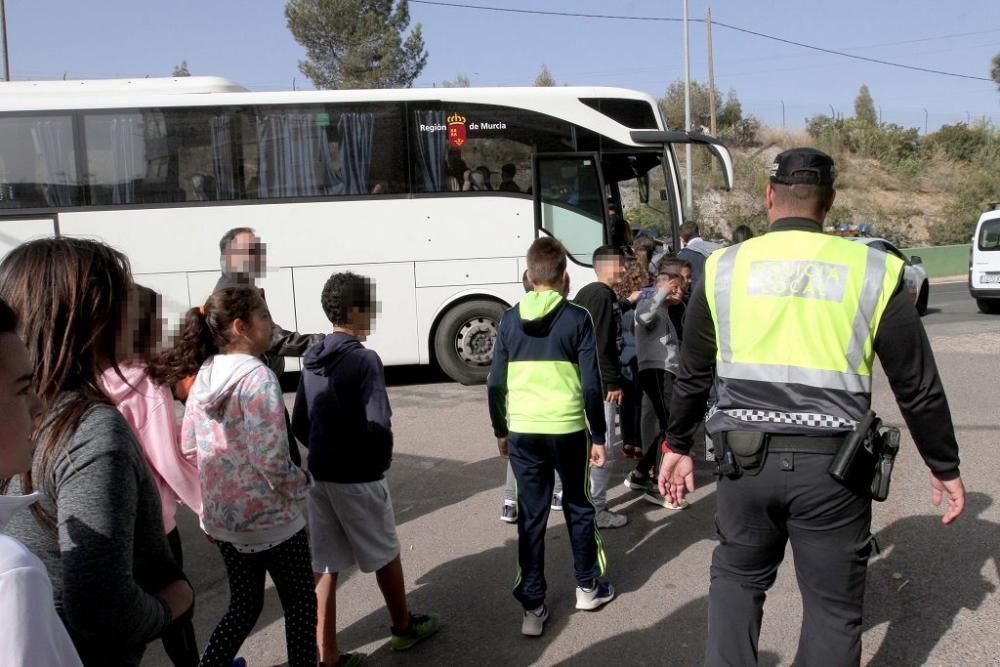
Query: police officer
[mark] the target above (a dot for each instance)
(791, 322)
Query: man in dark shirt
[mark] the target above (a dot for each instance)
(507, 173)
(601, 302)
(244, 260)
(789, 495)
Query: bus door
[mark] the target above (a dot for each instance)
(17, 229)
(570, 205)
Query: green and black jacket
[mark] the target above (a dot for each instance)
(545, 377)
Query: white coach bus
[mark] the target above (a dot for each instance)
(434, 194)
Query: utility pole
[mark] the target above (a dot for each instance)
(711, 77)
(782, 114)
(925, 121)
(3, 39)
(687, 111)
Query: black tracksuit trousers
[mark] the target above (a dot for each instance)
(792, 499)
(534, 459)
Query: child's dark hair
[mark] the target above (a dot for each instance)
(344, 291)
(204, 333)
(672, 264)
(147, 333)
(608, 252)
(71, 299)
(8, 319)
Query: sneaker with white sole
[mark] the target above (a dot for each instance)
(608, 519)
(557, 501)
(589, 599)
(637, 483)
(655, 498)
(533, 623)
(508, 513)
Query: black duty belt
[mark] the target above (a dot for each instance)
(804, 444)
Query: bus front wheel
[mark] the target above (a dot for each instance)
(463, 341)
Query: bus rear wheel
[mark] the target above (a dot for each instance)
(463, 341)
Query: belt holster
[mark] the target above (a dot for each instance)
(742, 452)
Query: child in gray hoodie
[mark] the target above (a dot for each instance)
(658, 351)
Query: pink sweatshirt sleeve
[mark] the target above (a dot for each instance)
(160, 439)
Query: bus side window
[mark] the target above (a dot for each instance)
(38, 162)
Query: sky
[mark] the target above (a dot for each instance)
(248, 42)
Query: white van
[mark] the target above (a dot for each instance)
(984, 263)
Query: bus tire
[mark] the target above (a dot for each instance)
(464, 338)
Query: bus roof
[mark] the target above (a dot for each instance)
(564, 102)
(148, 86)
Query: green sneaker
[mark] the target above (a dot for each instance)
(421, 627)
(351, 660)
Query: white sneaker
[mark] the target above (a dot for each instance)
(533, 623)
(590, 599)
(557, 501)
(608, 519)
(508, 513)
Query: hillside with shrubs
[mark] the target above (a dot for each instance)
(892, 181)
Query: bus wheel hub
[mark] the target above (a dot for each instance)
(475, 339)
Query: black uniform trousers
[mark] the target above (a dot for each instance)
(534, 459)
(792, 499)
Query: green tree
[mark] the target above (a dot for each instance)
(357, 43)
(732, 111)
(672, 105)
(544, 78)
(995, 69)
(461, 81)
(182, 69)
(864, 107)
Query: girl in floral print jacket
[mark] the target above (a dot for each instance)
(252, 494)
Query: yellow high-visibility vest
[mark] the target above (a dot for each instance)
(795, 317)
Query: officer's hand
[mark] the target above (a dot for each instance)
(615, 397)
(676, 477)
(955, 491)
(597, 456)
(502, 446)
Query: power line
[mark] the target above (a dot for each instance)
(616, 17)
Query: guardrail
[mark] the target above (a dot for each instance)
(944, 260)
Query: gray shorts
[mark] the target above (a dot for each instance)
(351, 523)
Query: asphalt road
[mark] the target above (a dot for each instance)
(931, 592)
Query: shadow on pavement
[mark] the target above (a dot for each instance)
(678, 639)
(480, 623)
(919, 590)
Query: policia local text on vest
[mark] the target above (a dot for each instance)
(791, 322)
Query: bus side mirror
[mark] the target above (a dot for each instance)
(915, 259)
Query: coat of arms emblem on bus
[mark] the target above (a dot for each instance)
(456, 130)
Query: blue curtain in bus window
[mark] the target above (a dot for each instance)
(50, 139)
(431, 146)
(127, 158)
(356, 132)
(221, 128)
(294, 156)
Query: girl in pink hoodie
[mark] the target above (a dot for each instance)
(148, 406)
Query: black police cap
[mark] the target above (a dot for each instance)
(803, 166)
